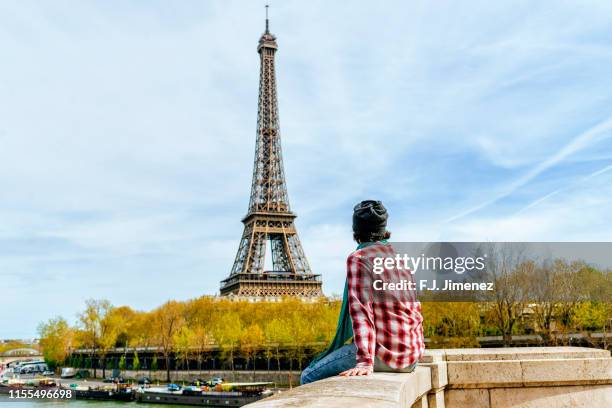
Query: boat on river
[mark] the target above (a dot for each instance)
(117, 392)
(12, 384)
(221, 395)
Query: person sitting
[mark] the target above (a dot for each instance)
(386, 329)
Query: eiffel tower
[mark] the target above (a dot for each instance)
(269, 219)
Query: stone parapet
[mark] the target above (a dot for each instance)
(454, 378)
(378, 390)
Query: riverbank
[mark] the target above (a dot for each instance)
(280, 379)
(283, 378)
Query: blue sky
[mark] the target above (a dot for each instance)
(127, 130)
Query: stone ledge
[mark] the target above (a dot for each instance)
(519, 353)
(529, 373)
(379, 390)
(323, 401)
(567, 371)
(455, 378)
(484, 374)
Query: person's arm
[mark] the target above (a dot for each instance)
(362, 315)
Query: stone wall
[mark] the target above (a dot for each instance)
(456, 378)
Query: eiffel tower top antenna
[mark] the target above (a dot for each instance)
(267, 21)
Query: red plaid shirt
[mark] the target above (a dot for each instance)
(389, 328)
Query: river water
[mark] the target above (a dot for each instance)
(5, 401)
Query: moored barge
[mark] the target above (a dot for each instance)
(8, 385)
(222, 395)
(106, 393)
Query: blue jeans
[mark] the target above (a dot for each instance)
(333, 364)
(341, 360)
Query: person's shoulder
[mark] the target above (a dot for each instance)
(358, 255)
(372, 251)
(355, 255)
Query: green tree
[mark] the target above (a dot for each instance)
(168, 319)
(555, 291)
(136, 363)
(96, 331)
(251, 341)
(109, 325)
(511, 275)
(185, 343)
(278, 334)
(591, 316)
(79, 361)
(154, 363)
(122, 363)
(56, 340)
(227, 330)
(202, 343)
(302, 336)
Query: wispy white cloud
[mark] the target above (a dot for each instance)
(566, 188)
(601, 131)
